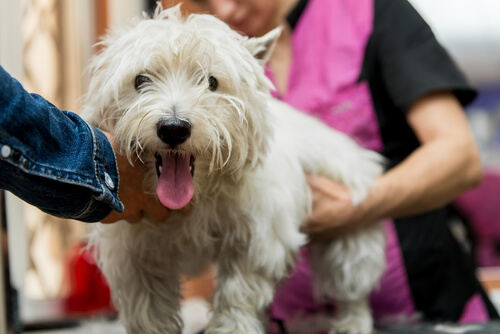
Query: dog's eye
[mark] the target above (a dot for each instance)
(140, 81)
(212, 83)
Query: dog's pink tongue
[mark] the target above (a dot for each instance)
(175, 184)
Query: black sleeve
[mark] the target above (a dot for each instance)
(412, 62)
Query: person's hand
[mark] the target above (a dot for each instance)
(333, 212)
(136, 202)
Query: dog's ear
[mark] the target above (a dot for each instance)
(262, 47)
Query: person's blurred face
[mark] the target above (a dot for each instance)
(250, 17)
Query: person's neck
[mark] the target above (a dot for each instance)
(287, 7)
(280, 16)
(281, 60)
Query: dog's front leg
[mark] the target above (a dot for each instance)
(149, 303)
(241, 298)
(144, 280)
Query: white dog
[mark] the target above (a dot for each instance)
(190, 98)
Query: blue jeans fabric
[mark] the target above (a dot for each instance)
(53, 159)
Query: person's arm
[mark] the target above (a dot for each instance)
(446, 164)
(408, 67)
(52, 158)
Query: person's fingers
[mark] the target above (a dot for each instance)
(156, 212)
(187, 209)
(314, 181)
(130, 217)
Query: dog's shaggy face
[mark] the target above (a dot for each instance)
(183, 95)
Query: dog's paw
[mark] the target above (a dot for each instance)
(352, 325)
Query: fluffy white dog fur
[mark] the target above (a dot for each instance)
(248, 155)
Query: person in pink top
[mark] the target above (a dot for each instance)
(374, 70)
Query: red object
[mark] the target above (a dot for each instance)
(89, 291)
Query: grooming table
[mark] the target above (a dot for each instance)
(487, 328)
(116, 328)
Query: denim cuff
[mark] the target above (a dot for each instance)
(106, 170)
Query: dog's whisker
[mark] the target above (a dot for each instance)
(105, 121)
(140, 158)
(238, 106)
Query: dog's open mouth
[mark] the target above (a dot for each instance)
(175, 178)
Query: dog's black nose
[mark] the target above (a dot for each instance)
(173, 131)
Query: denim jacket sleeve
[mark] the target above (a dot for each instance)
(53, 159)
